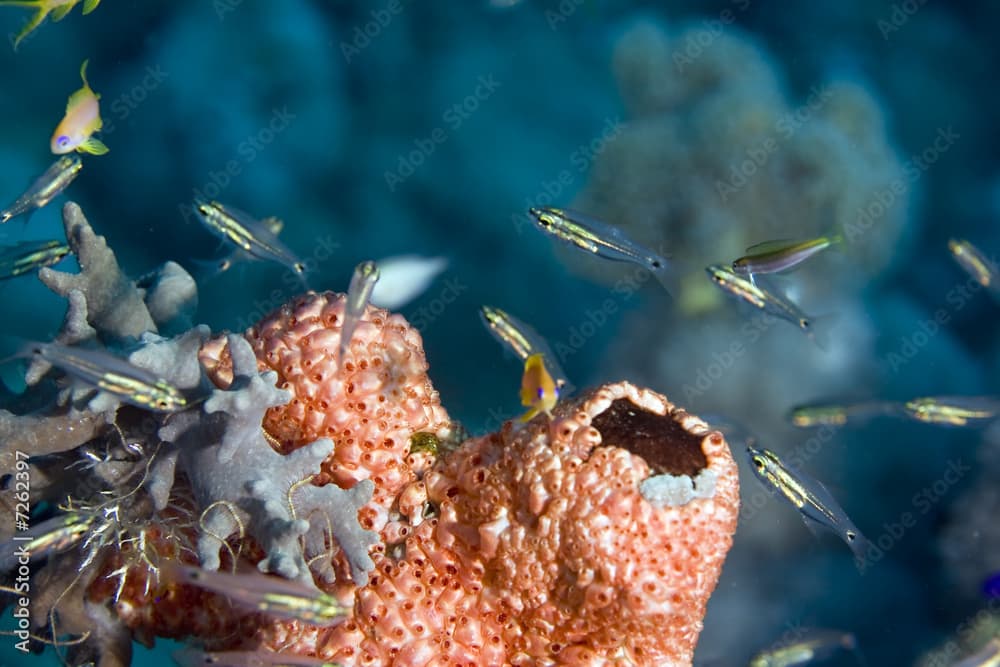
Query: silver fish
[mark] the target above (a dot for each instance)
(601, 239)
(813, 645)
(805, 416)
(359, 294)
(776, 256)
(27, 256)
(191, 657)
(809, 496)
(255, 237)
(268, 594)
(45, 539)
(953, 410)
(110, 373)
(742, 288)
(45, 188)
(975, 263)
(524, 341)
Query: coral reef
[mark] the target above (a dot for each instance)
(595, 536)
(540, 546)
(715, 158)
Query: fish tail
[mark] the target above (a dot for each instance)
(817, 329)
(30, 26)
(859, 547)
(667, 277)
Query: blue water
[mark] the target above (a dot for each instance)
(394, 127)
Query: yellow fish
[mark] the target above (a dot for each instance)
(538, 390)
(82, 119)
(58, 8)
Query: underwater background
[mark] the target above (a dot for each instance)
(397, 127)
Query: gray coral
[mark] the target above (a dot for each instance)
(245, 488)
(122, 463)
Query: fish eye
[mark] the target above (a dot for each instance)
(541, 393)
(850, 535)
(62, 141)
(758, 462)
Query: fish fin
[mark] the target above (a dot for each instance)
(30, 26)
(90, 5)
(817, 329)
(667, 276)
(207, 269)
(83, 74)
(92, 146)
(273, 224)
(59, 13)
(529, 415)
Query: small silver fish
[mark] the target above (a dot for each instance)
(254, 237)
(27, 256)
(953, 410)
(975, 263)
(601, 239)
(271, 595)
(809, 496)
(812, 645)
(777, 256)
(192, 657)
(359, 294)
(987, 656)
(744, 289)
(805, 416)
(524, 341)
(48, 538)
(45, 188)
(110, 373)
